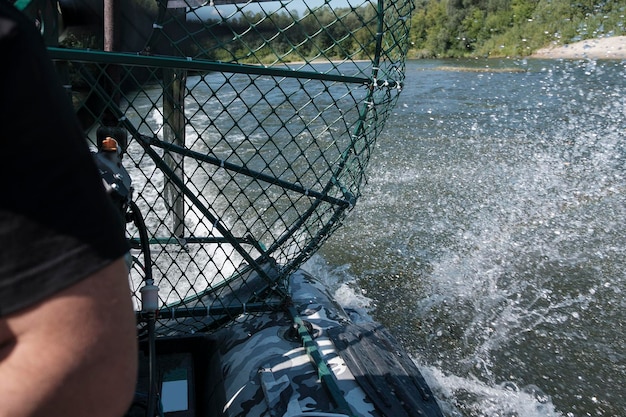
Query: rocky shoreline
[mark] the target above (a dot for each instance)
(600, 48)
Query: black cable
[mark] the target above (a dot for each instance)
(144, 241)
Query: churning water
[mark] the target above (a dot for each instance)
(491, 238)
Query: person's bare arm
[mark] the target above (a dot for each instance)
(73, 354)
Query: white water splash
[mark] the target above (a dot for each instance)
(342, 285)
(466, 396)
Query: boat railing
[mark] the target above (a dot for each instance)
(245, 128)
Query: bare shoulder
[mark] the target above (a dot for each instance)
(75, 346)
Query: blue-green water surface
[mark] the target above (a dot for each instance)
(491, 237)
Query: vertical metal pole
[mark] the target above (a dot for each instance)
(174, 132)
(112, 83)
(109, 25)
(174, 82)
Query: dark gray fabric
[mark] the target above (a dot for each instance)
(57, 226)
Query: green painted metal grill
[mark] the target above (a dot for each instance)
(250, 126)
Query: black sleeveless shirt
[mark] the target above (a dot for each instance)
(57, 225)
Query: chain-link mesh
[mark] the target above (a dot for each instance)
(250, 127)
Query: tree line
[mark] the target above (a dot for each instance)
(288, 35)
(497, 28)
(468, 28)
(439, 28)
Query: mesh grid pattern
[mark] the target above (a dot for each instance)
(250, 128)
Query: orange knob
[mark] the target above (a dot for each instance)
(109, 144)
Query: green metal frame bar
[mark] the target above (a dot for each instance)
(250, 173)
(101, 57)
(22, 4)
(191, 239)
(226, 282)
(181, 241)
(198, 311)
(325, 374)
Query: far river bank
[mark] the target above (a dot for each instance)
(600, 48)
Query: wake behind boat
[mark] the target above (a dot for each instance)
(234, 142)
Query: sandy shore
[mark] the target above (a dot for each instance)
(600, 48)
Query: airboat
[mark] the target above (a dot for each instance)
(235, 138)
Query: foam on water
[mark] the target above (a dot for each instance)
(462, 396)
(341, 285)
(491, 238)
(458, 395)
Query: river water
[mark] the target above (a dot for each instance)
(491, 237)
